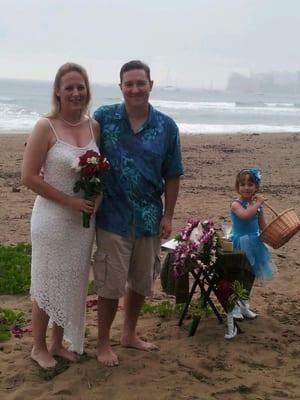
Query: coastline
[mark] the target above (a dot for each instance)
(14, 132)
(262, 363)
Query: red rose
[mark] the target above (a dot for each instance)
(224, 291)
(104, 164)
(89, 170)
(86, 155)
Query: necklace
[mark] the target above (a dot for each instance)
(71, 123)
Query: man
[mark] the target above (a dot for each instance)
(143, 148)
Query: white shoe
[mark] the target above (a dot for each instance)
(246, 312)
(231, 327)
(236, 313)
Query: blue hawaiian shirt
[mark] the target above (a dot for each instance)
(139, 163)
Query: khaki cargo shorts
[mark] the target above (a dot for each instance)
(120, 259)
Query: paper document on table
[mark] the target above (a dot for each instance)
(170, 245)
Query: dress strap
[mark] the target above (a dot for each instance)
(240, 202)
(236, 201)
(52, 128)
(91, 129)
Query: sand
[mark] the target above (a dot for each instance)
(262, 363)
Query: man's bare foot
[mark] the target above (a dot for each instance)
(106, 356)
(64, 353)
(138, 343)
(43, 358)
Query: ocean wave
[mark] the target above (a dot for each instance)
(16, 118)
(191, 105)
(7, 99)
(219, 129)
(290, 107)
(228, 107)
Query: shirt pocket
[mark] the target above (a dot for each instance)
(156, 266)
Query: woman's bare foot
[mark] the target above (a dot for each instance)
(64, 353)
(43, 358)
(106, 356)
(138, 343)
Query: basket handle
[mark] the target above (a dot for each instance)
(271, 208)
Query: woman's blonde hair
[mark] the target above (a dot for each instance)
(64, 69)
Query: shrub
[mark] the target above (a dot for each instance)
(9, 318)
(15, 268)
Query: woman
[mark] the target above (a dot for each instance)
(61, 246)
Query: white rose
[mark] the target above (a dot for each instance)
(92, 160)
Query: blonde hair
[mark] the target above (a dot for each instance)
(64, 69)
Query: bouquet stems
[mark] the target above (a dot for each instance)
(86, 219)
(86, 216)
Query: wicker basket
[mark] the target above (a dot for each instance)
(281, 229)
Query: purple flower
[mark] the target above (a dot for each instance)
(188, 249)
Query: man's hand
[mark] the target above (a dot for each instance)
(165, 227)
(98, 201)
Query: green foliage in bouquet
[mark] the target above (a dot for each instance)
(15, 268)
(8, 319)
(239, 293)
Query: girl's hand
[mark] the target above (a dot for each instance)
(259, 198)
(81, 205)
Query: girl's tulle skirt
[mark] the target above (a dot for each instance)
(258, 255)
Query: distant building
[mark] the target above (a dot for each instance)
(274, 82)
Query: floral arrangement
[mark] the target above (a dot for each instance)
(197, 242)
(91, 166)
(231, 293)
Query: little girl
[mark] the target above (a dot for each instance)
(247, 222)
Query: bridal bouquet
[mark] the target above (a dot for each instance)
(91, 166)
(197, 242)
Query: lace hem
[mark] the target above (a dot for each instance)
(74, 339)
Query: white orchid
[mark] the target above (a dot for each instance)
(196, 234)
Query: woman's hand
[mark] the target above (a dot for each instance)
(81, 205)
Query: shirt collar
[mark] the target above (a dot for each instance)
(121, 113)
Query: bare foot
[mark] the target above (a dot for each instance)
(64, 353)
(138, 343)
(106, 356)
(43, 358)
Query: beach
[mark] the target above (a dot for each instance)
(262, 363)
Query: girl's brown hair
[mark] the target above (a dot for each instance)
(241, 178)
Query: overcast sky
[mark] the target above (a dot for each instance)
(195, 43)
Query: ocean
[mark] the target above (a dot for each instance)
(194, 110)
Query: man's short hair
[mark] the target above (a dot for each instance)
(135, 64)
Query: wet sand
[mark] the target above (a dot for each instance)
(262, 363)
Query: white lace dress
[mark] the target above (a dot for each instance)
(61, 247)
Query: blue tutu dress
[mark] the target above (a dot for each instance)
(245, 237)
